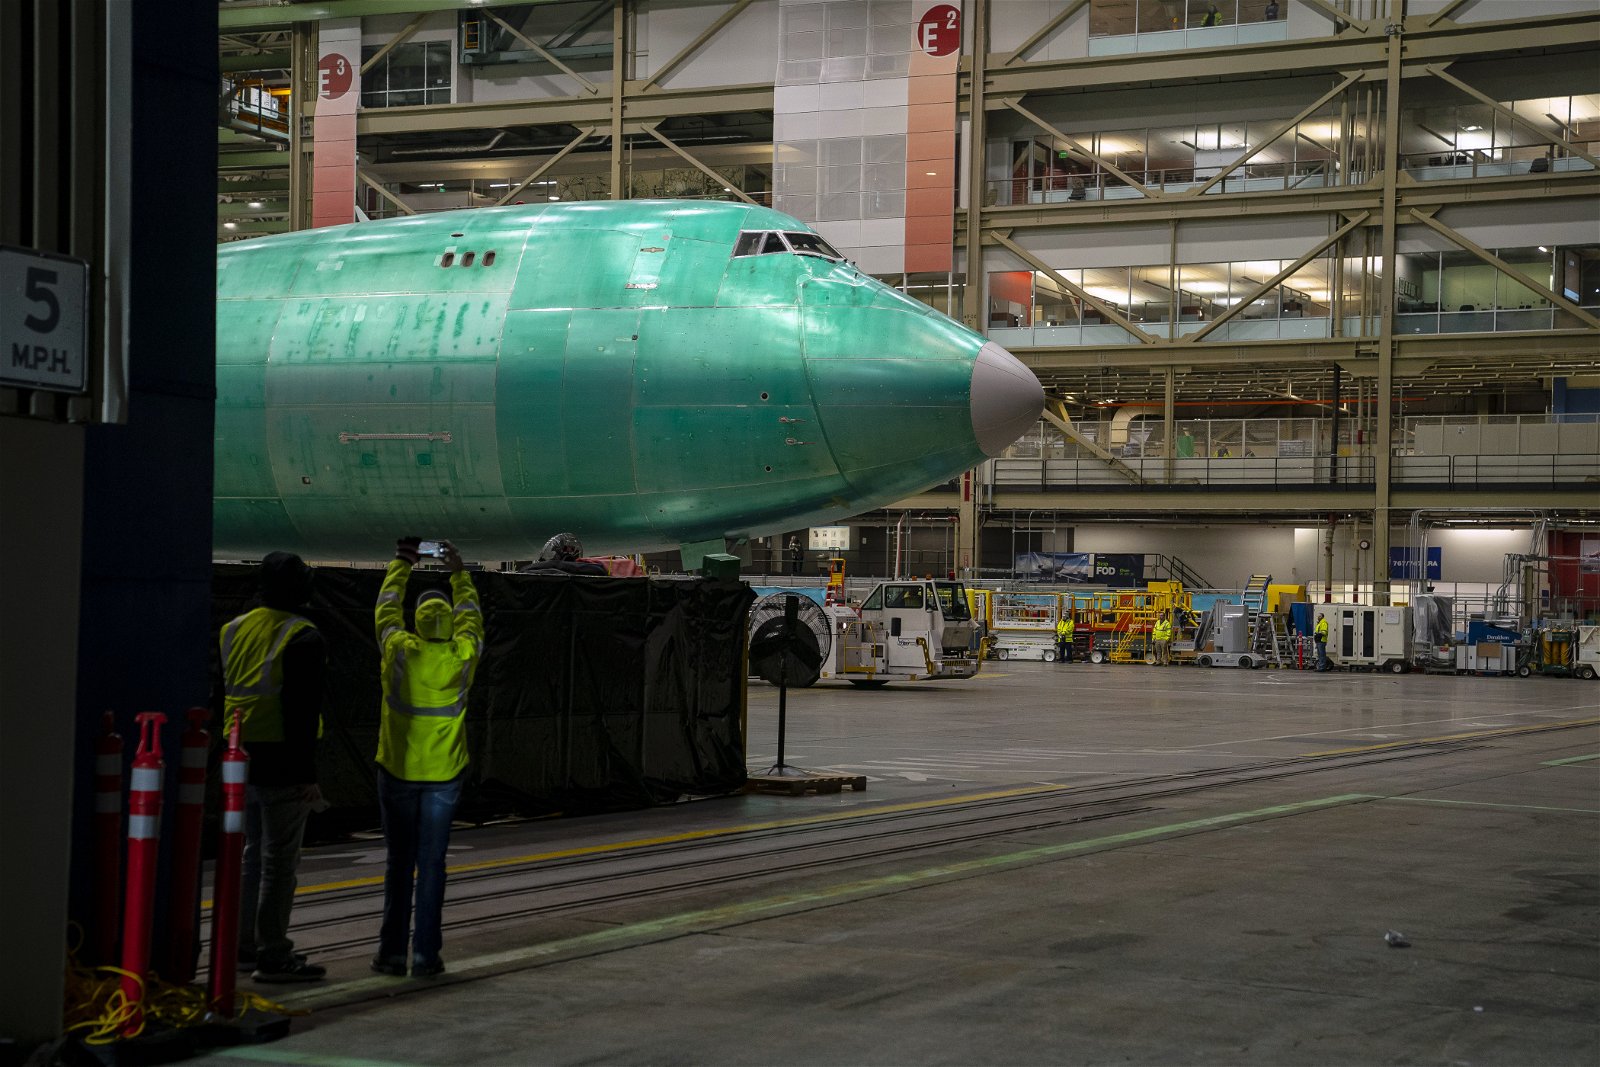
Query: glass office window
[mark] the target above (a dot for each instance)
(417, 72)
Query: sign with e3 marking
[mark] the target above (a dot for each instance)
(44, 302)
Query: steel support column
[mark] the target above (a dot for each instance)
(302, 105)
(619, 43)
(1384, 416)
(1169, 401)
(977, 170)
(968, 532)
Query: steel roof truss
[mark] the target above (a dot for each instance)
(588, 86)
(1044, 31)
(1147, 191)
(1257, 292)
(584, 133)
(650, 128)
(396, 41)
(1076, 290)
(695, 45)
(1427, 219)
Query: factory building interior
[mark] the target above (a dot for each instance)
(1239, 707)
(1198, 287)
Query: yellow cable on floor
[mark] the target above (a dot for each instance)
(98, 1010)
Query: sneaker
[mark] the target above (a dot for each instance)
(295, 970)
(395, 966)
(428, 969)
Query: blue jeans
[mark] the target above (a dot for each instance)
(416, 829)
(1322, 655)
(274, 827)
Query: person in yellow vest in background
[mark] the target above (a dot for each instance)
(273, 661)
(1321, 638)
(1161, 634)
(422, 748)
(1065, 627)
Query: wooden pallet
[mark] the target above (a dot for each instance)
(813, 783)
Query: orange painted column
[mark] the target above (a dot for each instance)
(931, 160)
(333, 160)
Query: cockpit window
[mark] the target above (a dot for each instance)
(763, 243)
(809, 244)
(768, 243)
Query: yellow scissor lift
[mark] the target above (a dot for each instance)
(1121, 622)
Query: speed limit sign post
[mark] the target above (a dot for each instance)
(44, 301)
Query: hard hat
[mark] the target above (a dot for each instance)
(435, 616)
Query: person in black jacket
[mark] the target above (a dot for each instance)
(273, 661)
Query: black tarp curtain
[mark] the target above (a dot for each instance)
(594, 693)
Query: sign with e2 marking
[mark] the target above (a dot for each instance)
(44, 302)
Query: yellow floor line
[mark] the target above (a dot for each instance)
(856, 813)
(697, 835)
(809, 897)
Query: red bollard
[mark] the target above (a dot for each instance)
(229, 874)
(107, 839)
(176, 961)
(144, 846)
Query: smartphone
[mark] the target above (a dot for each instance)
(435, 549)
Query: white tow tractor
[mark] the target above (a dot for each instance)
(905, 631)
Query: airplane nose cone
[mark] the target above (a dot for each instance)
(1006, 399)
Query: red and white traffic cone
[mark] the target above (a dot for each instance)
(144, 845)
(226, 885)
(176, 962)
(107, 839)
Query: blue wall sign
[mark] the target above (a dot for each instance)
(1403, 564)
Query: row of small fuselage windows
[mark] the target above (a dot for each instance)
(751, 243)
(467, 258)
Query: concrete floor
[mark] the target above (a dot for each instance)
(1068, 864)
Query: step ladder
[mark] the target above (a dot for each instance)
(1269, 638)
(1281, 642)
(1255, 593)
(1267, 633)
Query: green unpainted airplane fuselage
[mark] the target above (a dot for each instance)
(610, 368)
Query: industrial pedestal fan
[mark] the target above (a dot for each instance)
(790, 638)
(797, 650)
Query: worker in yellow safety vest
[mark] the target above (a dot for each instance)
(422, 748)
(1161, 634)
(273, 661)
(1321, 637)
(1065, 627)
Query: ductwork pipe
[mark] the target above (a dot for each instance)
(450, 149)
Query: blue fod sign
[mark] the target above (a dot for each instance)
(1403, 564)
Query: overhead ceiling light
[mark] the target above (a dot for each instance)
(1542, 248)
(230, 225)
(933, 174)
(1471, 129)
(255, 203)
(554, 197)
